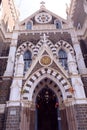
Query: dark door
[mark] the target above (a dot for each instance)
(47, 110)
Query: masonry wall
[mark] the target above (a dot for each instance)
(12, 118)
(4, 97)
(79, 13)
(77, 117)
(84, 79)
(2, 121)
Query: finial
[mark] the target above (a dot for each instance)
(67, 9)
(42, 4)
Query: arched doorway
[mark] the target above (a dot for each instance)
(47, 110)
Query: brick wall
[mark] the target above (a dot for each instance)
(81, 116)
(13, 118)
(84, 79)
(79, 14)
(54, 37)
(3, 63)
(4, 90)
(2, 121)
(4, 96)
(77, 117)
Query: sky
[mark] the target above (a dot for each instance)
(28, 7)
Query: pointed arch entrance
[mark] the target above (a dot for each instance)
(56, 83)
(48, 115)
(47, 110)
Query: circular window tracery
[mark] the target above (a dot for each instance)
(43, 18)
(45, 60)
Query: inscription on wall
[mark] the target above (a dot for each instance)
(13, 112)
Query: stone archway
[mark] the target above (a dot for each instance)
(56, 76)
(29, 111)
(50, 109)
(56, 82)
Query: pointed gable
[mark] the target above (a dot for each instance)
(43, 17)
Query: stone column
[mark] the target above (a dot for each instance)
(75, 78)
(78, 89)
(32, 117)
(17, 81)
(72, 64)
(64, 123)
(14, 104)
(11, 57)
(71, 117)
(79, 57)
(27, 116)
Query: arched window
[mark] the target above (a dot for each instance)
(27, 60)
(29, 25)
(58, 24)
(63, 58)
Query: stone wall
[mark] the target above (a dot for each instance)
(4, 90)
(4, 96)
(77, 117)
(84, 79)
(35, 37)
(79, 14)
(13, 118)
(2, 121)
(81, 116)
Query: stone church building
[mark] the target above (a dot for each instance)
(43, 69)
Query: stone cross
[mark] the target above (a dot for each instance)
(44, 38)
(42, 4)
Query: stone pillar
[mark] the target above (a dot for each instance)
(78, 88)
(64, 124)
(75, 78)
(27, 116)
(72, 64)
(32, 117)
(11, 57)
(79, 57)
(19, 68)
(71, 118)
(17, 81)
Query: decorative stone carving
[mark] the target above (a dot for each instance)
(45, 60)
(43, 18)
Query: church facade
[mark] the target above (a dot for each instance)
(43, 69)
